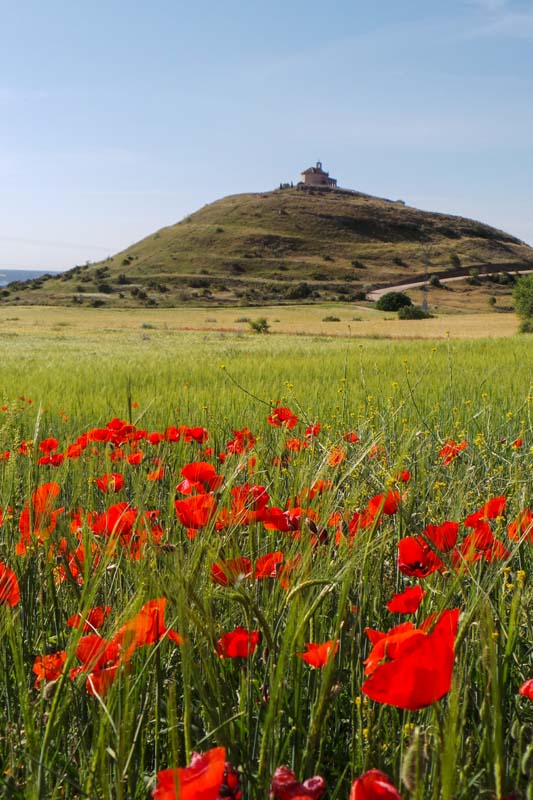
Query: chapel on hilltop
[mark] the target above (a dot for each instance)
(315, 176)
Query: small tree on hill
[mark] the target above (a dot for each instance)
(393, 301)
(523, 298)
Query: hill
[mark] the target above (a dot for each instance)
(293, 244)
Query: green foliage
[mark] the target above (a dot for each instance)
(260, 325)
(299, 292)
(523, 297)
(393, 301)
(413, 312)
(526, 326)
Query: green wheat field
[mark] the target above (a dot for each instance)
(142, 477)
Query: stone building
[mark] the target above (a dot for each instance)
(315, 176)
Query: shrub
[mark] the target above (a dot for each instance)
(455, 261)
(331, 319)
(526, 326)
(435, 282)
(298, 292)
(413, 312)
(259, 325)
(393, 301)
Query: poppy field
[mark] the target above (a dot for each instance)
(252, 567)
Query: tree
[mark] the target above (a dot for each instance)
(523, 299)
(393, 301)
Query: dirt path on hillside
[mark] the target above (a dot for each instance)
(404, 287)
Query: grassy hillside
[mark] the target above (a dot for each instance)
(287, 245)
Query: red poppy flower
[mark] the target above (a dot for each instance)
(110, 483)
(285, 786)
(201, 780)
(9, 587)
(416, 558)
(404, 476)
(156, 475)
(246, 500)
(238, 643)
(295, 445)
(117, 521)
(196, 511)
(172, 434)
(313, 430)
(336, 456)
(443, 536)
(522, 525)
(451, 450)
(49, 667)
(287, 569)
(145, 628)
(374, 785)
(419, 665)
(317, 655)
(155, 437)
(479, 545)
(350, 436)
(244, 440)
(25, 447)
(283, 417)
(39, 517)
(74, 451)
(267, 566)
(199, 476)
(93, 619)
(493, 508)
(384, 503)
(48, 445)
(52, 460)
(406, 602)
(197, 434)
(99, 660)
(289, 521)
(231, 784)
(526, 690)
(226, 573)
(99, 435)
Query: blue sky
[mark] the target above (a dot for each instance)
(118, 118)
